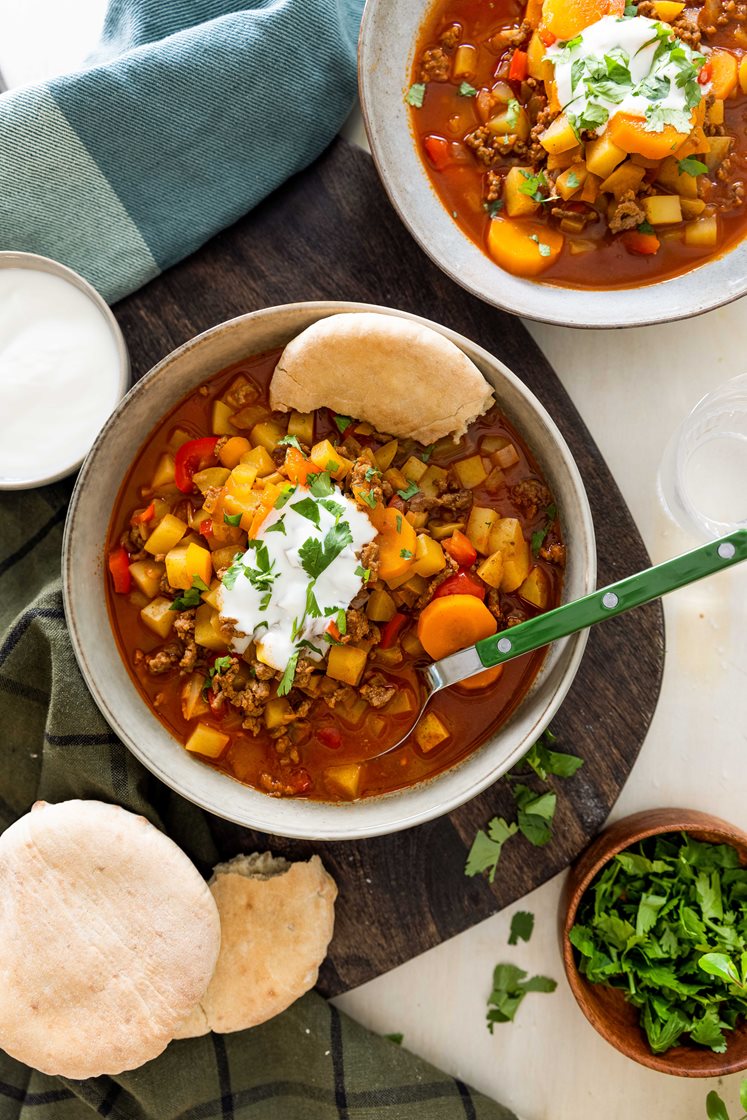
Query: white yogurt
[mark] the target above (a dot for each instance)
(273, 611)
(633, 43)
(59, 375)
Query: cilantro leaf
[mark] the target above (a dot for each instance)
(191, 597)
(493, 208)
(535, 814)
(307, 508)
(344, 422)
(415, 95)
(522, 926)
(286, 681)
(320, 485)
(290, 441)
(277, 527)
(487, 846)
(232, 519)
(317, 555)
(512, 113)
(715, 1107)
(285, 495)
(691, 166)
(396, 1038)
(466, 90)
(509, 990)
(364, 573)
(410, 492)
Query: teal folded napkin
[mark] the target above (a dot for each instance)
(188, 114)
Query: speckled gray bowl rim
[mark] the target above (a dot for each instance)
(384, 67)
(34, 263)
(130, 717)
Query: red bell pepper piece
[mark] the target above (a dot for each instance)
(519, 67)
(391, 629)
(330, 737)
(641, 244)
(705, 74)
(460, 584)
(438, 151)
(119, 569)
(206, 527)
(461, 549)
(193, 456)
(547, 37)
(145, 515)
(298, 780)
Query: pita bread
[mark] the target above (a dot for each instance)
(404, 378)
(108, 936)
(276, 923)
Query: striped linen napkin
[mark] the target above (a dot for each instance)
(189, 113)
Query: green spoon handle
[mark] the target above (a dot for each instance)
(615, 599)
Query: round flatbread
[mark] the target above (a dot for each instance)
(108, 937)
(404, 378)
(276, 922)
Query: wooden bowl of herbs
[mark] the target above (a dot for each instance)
(653, 926)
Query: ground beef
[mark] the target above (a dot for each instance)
(435, 66)
(133, 539)
(377, 487)
(628, 214)
(248, 697)
(358, 626)
(553, 552)
(450, 37)
(304, 672)
(537, 153)
(489, 148)
(335, 694)
(369, 558)
(185, 630)
(511, 37)
(530, 495)
(165, 659)
(734, 196)
(587, 214)
(377, 691)
(516, 616)
(435, 583)
(493, 186)
(493, 603)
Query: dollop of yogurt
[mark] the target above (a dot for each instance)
(627, 65)
(299, 575)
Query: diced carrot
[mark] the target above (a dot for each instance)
(232, 450)
(298, 467)
(630, 134)
(453, 623)
(724, 74)
(438, 151)
(642, 244)
(547, 37)
(481, 680)
(519, 67)
(397, 543)
(260, 514)
(145, 515)
(523, 247)
(565, 20)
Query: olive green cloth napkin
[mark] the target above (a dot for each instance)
(311, 1063)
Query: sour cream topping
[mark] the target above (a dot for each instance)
(299, 575)
(632, 65)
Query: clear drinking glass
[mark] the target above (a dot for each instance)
(703, 475)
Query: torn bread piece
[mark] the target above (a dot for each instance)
(277, 920)
(108, 936)
(405, 379)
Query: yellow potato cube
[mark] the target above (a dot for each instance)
(662, 209)
(446, 529)
(277, 713)
(385, 455)
(559, 136)
(221, 423)
(743, 74)
(241, 481)
(506, 535)
(479, 527)
(430, 732)
(232, 450)
(702, 233)
(380, 606)
(224, 557)
(432, 480)
(212, 597)
(414, 469)
(146, 575)
(207, 633)
(470, 472)
(667, 10)
(669, 176)
(267, 434)
(536, 588)
(212, 478)
(715, 112)
(344, 779)
(719, 148)
(207, 740)
(301, 425)
(627, 177)
(602, 156)
(491, 569)
(692, 208)
(571, 180)
(536, 58)
(516, 201)
(163, 475)
(193, 701)
(346, 664)
(186, 561)
(248, 416)
(328, 458)
(158, 616)
(166, 534)
(199, 563)
(260, 459)
(465, 61)
(429, 556)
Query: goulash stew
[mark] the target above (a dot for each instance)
(585, 142)
(275, 579)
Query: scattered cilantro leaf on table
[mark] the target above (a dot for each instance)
(522, 927)
(716, 1107)
(396, 1038)
(510, 987)
(486, 847)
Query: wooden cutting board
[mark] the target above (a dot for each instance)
(331, 233)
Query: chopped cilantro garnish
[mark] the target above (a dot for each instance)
(426, 453)
(312, 607)
(544, 250)
(332, 467)
(368, 497)
(332, 507)
(691, 166)
(406, 554)
(277, 527)
(645, 227)
(494, 208)
(192, 597)
(364, 573)
(317, 555)
(307, 508)
(410, 492)
(290, 441)
(232, 519)
(371, 473)
(487, 846)
(320, 485)
(533, 185)
(286, 681)
(415, 95)
(285, 496)
(510, 986)
(466, 90)
(220, 665)
(399, 522)
(658, 116)
(573, 180)
(343, 422)
(512, 113)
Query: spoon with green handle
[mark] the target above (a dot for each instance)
(605, 603)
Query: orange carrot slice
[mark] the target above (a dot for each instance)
(453, 623)
(397, 542)
(630, 134)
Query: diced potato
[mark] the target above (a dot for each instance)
(692, 208)
(221, 423)
(559, 136)
(207, 740)
(644, 161)
(385, 455)
(662, 209)
(533, 13)
(626, 177)
(702, 233)
(199, 563)
(743, 74)
(507, 457)
(590, 189)
(561, 161)
(193, 701)
(715, 112)
(147, 576)
(414, 469)
(416, 584)
(411, 644)
(231, 452)
(509, 122)
(248, 416)
(429, 556)
(267, 434)
(724, 72)
(353, 714)
(445, 529)
(380, 606)
(506, 536)
(602, 156)
(668, 175)
(344, 779)
(158, 616)
(163, 475)
(212, 597)
(719, 150)
(207, 633)
(396, 479)
(224, 557)
(697, 143)
(516, 201)
(465, 61)
(479, 527)
(239, 495)
(401, 704)
(176, 566)
(301, 425)
(260, 459)
(470, 472)
(166, 534)
(433, 478)
(667, 10)
(328, 458)
(495, 480)
(430, 732)
(346, 664)
(535, 58)
(278, 712)
(178, 438)
(536, 588)
(417, 520)
(491, 569)
(211, 478)
(490, 444)
(571, 180)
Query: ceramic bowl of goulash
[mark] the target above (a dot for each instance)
(285, 519)
(577, 163)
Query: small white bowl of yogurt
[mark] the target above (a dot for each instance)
(63, 369)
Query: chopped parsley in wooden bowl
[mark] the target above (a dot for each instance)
(654, 940)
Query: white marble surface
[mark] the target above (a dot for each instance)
(632, 389)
